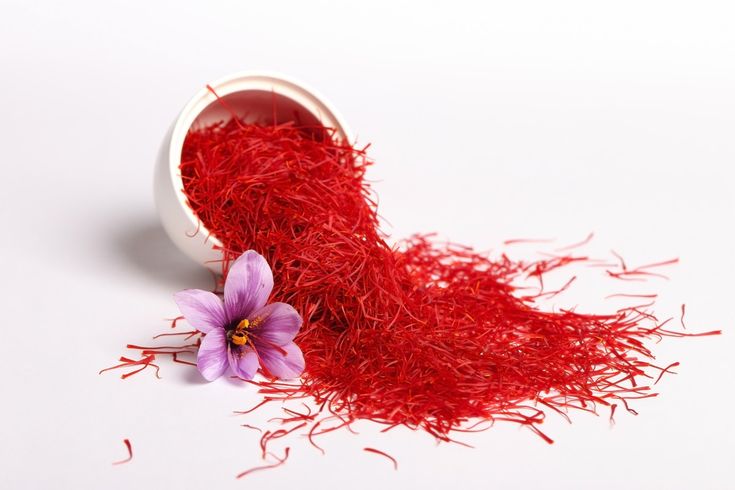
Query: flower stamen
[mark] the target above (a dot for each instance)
(239, 336)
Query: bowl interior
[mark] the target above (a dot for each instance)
(257, 107)
(254, 98)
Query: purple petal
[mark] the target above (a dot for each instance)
(277, 323)
(248, 285)
(202, 309)
(290, 365)
(212, 355)
(243, 361)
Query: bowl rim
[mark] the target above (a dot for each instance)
(298, 92)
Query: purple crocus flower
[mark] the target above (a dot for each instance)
(244, 332)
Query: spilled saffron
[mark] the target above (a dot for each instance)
(384, 454)
(279, 462)
(129, 447)
(421, 334)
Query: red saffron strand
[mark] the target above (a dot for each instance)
(144, 362)
(279, 462)
(578, 244)
(129, 447)
(624, 295)
(681, 318)
(514, 241)
(666, 370)
(189, 334)
(175, 320)
(377, 451)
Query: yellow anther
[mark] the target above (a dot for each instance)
(243, 324)
(239, 338)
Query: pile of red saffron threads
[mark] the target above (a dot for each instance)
(422, 335)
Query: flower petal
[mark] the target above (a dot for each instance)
(277, 323)
(290, 365)
(243, 362)
(202, 309)
(212, 355)
(248, 285)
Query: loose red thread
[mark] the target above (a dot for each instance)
(624, 295)
(139, 365)
(639, 273)
(666, 370)
(578, 244)
(421, 334)
(681, 318)
(377, 451)
(279, 462)
(130, 453)
(514, 241)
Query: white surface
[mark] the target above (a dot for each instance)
(512, 119)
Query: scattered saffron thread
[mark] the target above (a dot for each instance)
(666, 370)
(279, 462)
(681, 318)
(578, 244)
(623, 295)
(514, 241)
(248, 426)
(130, 453)
(377, 451)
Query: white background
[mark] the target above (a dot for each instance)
(488, 121)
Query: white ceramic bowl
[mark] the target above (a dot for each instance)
(250, 95)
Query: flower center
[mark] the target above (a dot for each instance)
(239, 335)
